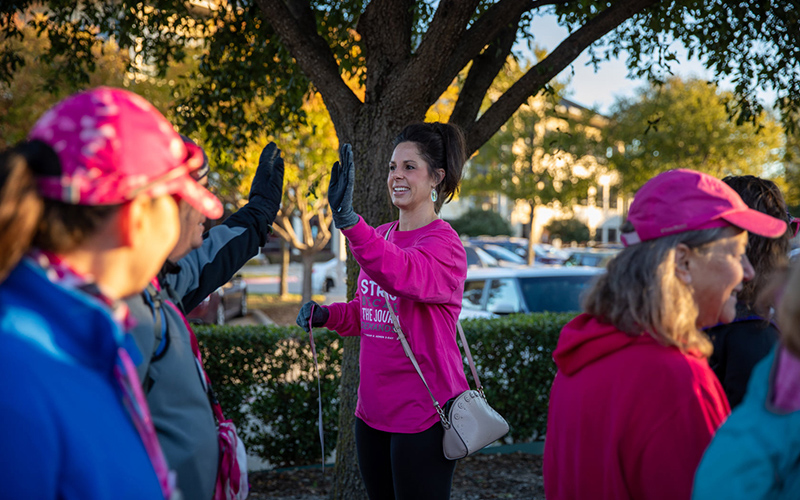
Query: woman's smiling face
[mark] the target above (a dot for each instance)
(410, 181)
(717, 271)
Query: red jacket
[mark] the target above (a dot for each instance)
(629, 418)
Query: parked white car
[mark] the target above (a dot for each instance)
(503, 290)
(327, 275)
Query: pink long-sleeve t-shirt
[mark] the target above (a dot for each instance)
(423, 271)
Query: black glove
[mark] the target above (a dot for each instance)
(340, 190)
(320, 315)
(268, 181)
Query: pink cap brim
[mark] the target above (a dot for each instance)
(188, 189)
(757, 222)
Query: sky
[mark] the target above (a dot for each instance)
(599, 89)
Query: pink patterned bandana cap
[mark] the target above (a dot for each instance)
(113, 145)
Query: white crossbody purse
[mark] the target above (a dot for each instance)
(470, 424)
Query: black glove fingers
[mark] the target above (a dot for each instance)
(340, 189)
(278, 171)
(333, 188)
(346, 154)
(267, 187)
(319, 318)
(304, 315)
(268, 154)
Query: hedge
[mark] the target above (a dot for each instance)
(264, 378)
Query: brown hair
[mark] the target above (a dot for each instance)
(766, 254)
(27, 219)
(20, 210)
(640, 292)
(442, 145)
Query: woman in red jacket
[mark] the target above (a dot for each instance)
(634, 403)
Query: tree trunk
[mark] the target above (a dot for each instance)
(372, 149)
(308, 263)
(285, 260)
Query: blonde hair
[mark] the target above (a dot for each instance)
(789, 312)
(640, 292)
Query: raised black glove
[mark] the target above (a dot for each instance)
(340, 189)
(268, 181)
(320, 315)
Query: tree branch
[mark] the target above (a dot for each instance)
(312, 55)
(484, 31)
(481, 75)
(538, 76)
(385, 28)
(438, 46)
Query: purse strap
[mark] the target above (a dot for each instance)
(410, 354)
(319, 383)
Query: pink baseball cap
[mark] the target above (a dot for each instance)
(113, 145)
(685, 200)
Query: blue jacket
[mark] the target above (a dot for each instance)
(756, 452)
(64, 431)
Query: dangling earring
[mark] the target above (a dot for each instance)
(434, 195)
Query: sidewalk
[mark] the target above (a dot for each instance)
(254, 317)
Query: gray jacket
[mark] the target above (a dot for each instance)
(176, 394)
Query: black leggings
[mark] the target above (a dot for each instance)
(398, 466)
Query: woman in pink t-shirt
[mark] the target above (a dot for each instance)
(420, 265)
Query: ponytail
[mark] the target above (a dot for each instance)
(28, 220)
(20, 209)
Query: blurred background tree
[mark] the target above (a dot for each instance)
(685, 124)
(545, 155)
(568, 230)
(479, 222)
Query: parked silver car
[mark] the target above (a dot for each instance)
(478, 257)
(595, 257)
(503, 290)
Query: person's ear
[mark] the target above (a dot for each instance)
(131, 220)
(438, 176)
(683, 257)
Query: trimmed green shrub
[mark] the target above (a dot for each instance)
(264, 378)
(265, 381)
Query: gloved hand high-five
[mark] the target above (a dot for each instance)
(340, 189)
(320, 315)
(268, 181)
